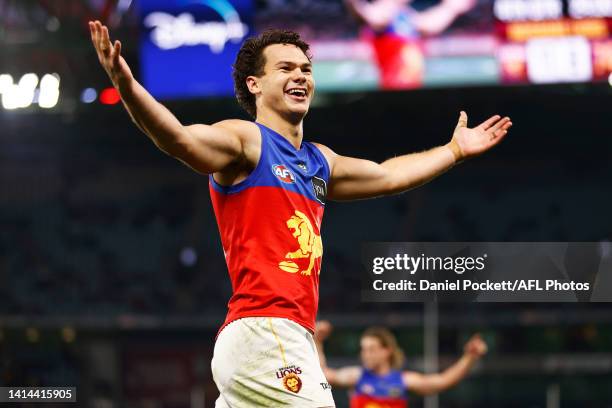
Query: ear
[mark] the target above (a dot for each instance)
(253, 84)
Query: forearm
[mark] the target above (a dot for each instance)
(435, 19)
(412, 170)
(321, 353)
(455, 373)
(154, 119)
(376, 15)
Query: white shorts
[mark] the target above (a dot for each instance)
(268, 362)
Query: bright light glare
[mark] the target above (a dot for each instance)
(49, 91)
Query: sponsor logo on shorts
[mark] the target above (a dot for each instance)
(282, 372)
(326, 386)
(283, 173)
(291, 380)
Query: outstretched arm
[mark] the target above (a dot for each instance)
(436, 19)
(426, 384)
(353, 179)
(345, 377)
(377, 15)
(204, 148)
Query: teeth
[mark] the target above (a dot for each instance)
(298, 92)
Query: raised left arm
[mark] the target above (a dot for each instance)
(427, 384)
(353, 179)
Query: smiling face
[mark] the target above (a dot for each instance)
(373, 353)
(286, 86)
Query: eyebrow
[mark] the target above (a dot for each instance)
(304, 65)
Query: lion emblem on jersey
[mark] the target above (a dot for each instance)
(310, 244)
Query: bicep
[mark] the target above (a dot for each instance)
(210, 148)
(354, 178)
(378, 15)
(421, 384)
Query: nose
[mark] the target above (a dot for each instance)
(298, 76)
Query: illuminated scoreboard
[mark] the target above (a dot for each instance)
(188, 46)
(552, 41)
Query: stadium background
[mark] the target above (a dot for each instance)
(112, 276)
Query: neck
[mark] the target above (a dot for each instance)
(290, 128)
(382, 369)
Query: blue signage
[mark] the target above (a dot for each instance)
(188, 46)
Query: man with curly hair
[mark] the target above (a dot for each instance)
(268, 187)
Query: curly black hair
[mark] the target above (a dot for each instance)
(251, 61)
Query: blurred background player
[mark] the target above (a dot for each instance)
(394, 28)
(380, 381)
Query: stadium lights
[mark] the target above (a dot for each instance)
(88, 95)
(109, 96)
(25, 92)
(49, 91)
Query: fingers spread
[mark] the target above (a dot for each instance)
(105, 43)
(117, 51)
(499, 124)
(489, 122)
(92, 32)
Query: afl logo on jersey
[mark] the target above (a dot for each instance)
(283, 173)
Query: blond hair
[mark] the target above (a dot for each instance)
(387, 340)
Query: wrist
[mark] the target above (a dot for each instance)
(125, 86)
(456, 151)
(470, 358)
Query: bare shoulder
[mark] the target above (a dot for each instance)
(249, 136)
(246, 130)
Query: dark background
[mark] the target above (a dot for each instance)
(94, 292)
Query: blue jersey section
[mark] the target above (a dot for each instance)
(402, 25)
(304, 171)
(385, 386)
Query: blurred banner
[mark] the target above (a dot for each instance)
(188, 45)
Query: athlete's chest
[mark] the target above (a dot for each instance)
(301, 171)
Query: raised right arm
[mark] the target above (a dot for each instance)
(206, 149)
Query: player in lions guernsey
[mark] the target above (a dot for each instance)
(380, 381)
(269, 187)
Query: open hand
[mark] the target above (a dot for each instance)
(470, 142)
(109, 54)
(475, 347)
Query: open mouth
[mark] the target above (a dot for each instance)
(297, 94)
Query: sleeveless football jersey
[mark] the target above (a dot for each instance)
(270, 227)
(379, 391)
